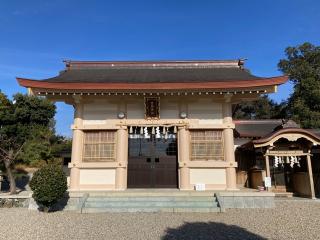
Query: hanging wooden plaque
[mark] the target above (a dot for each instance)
(152, 107)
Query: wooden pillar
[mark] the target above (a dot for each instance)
(228, 139)
(122, 159)
(184, 158)
(310, 176)
(77, 145)
(267, 168)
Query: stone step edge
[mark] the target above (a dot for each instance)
(169, 204)
(149, 199)
(151, 209)
(144, 194)
(142, 206)
(124, 202)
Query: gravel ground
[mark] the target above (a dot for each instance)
(289, 220)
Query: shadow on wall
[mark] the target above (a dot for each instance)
(210, 230)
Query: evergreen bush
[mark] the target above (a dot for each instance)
(48, 184)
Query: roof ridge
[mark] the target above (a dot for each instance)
(70, 64)
(150, 61)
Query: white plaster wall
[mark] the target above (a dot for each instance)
(205, 108)
(100, 110)
(169, 108)
(207, 176)
(97, 176)
(135, 108)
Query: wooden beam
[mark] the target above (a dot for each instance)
(283, 153)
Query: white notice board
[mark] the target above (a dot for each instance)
(267, 181)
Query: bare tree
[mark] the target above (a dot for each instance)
(9, 151)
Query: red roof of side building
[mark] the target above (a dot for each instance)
(256, 128)
(287, 130)
(263, 130)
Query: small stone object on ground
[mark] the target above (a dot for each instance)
(11, 202)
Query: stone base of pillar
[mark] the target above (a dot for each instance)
(74, 179)
(231, 179)
(184, 178)
(121, 180)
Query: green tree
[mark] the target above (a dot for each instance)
(302, 65)
(44, 146)
(60, 144)
(262, 108)
(38, 146)
(20, 121)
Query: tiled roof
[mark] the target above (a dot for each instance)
(205, 74)
(256, 128)
(152, 72)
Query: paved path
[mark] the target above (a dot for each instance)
(289, 220)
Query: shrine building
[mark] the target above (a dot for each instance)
(157, 124)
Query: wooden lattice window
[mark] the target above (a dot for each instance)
(206, 145)
(99, 146)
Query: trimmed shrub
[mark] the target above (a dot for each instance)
(48, 184)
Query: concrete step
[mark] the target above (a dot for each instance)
(143, 193)
(149, 204)
(146, 203)
(151, 209)
(283, 194)
(152, 198)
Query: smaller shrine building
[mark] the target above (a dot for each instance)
(279, 150)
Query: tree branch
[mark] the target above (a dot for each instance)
(18, 151)
(4, 153)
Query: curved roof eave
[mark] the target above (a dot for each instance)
(272, 81)
(277, 134)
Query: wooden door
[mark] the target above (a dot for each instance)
(152, 163)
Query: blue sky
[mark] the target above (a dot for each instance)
(35, 36)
